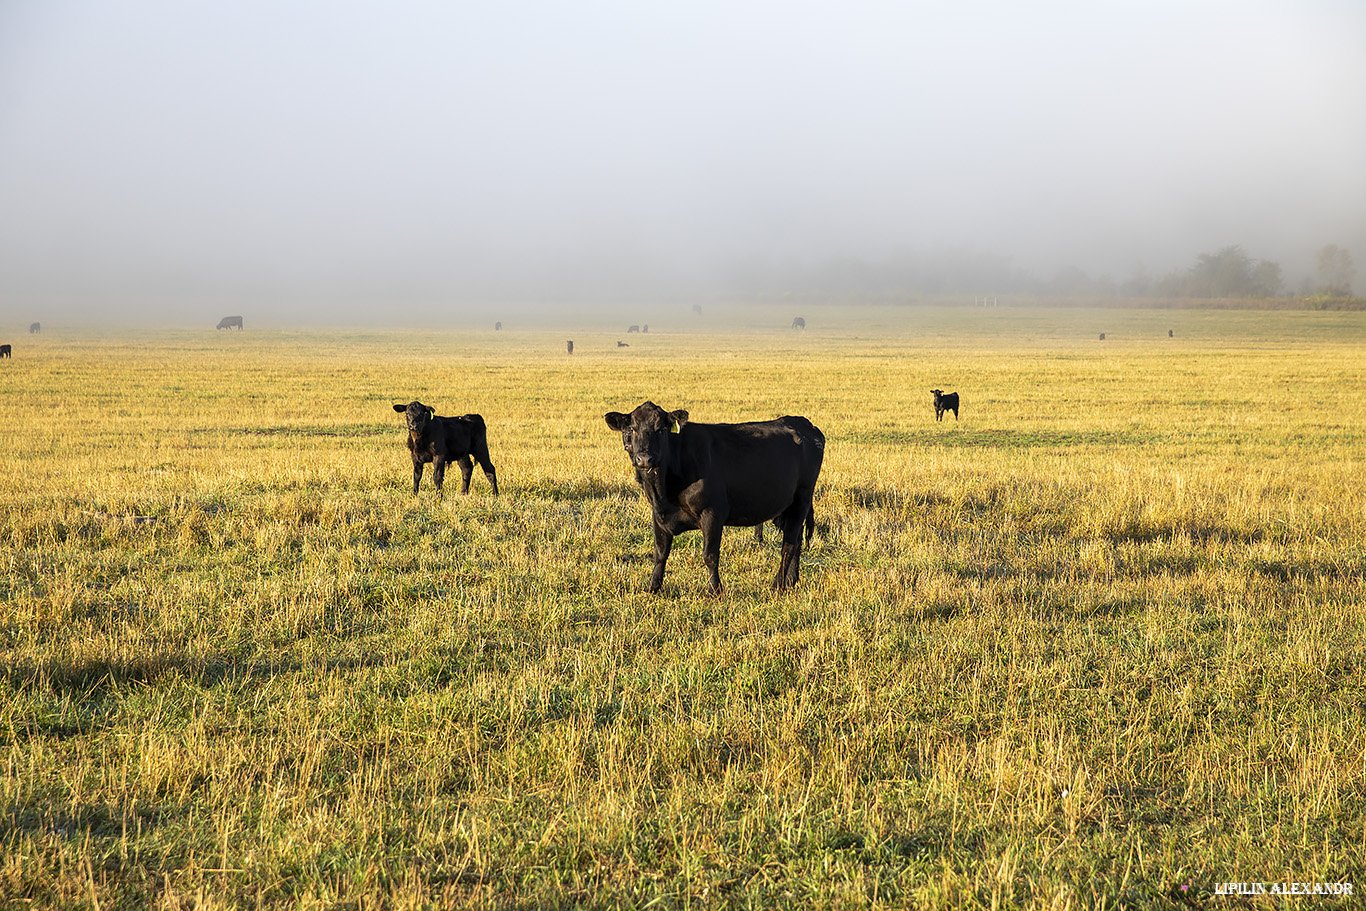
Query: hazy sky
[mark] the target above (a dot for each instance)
(299, 154)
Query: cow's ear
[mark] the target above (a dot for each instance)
(680, 418)
(400, 408)
(431, 412)
(617, 421)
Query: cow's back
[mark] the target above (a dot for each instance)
(762, 464)
(462, 434)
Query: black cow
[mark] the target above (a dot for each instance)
(630, 329)
(229, 322)
(645, 328)
(799, 323)
(1171, 333)
(708, 476)
(622, 345)
(497, 327)
(35, 328)
(569, 346)
(1102, 336)
(4, 351)
(943, 403)
(440, 440)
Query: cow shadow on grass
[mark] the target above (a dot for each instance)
(581, 490)
(90, 683)
(991, 438)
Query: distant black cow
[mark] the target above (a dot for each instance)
(708, 476)
(569, 346)
(1171, 333)
(35, 328)
(622, 345)
(799, 323)
(697, 308)
(440, 440)
(645, 328)
(229, 322)
(630, 329)
(943, 403)
(497, 326)
(1102, 336)
(4, 351)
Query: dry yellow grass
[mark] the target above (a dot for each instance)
(1099, 640)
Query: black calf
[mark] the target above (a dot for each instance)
(440, 440)
(943, 403)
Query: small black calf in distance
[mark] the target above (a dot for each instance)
(5, 351)
(943, 403)
(439, 440)
(708, 476)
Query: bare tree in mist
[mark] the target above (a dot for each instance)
(1336, 270)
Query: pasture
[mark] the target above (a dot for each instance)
(1101, 643)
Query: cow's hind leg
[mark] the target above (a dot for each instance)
(664, 542)
(793, 524)
(482, 454)
(466, 472)
(439, 474)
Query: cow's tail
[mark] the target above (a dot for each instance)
(478, 421)
(810, 524)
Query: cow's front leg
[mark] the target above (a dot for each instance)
(466, 472)
(417, 476)
(438, 473)
(664, 542)
(712, 526)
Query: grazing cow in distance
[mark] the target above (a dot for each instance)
(441, 440)
(943, 403)
(697, 308)
(229, 322)
(622, 345)
(5, 351)
(35, 328)
(1102, 336)
(1171, 333)
(708, 476)
(799, 323)
(645, 328)
(630, 329)
(569, 346)
(497, 326)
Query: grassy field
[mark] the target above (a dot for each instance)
(1099, 644)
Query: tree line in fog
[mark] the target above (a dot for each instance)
(1229, 272)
